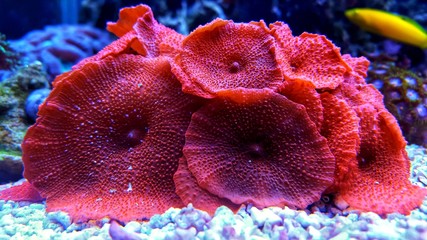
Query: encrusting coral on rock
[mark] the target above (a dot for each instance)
(405, 96)
(232, 114)
(14, 119)
(60, 46)
(8, 57)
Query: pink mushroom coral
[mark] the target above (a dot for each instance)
(190, 192)
(108, 140)
(309, 57)
(225, 55)
(378, 177)
(154, 39)
(256, 146)
(284, 120)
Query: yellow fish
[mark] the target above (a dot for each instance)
(394, 26)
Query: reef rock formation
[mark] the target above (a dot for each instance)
(60, 46)
(234, 113)
(405, 96)
(14, 119)
(8, 57)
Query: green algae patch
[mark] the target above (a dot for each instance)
(4, 153)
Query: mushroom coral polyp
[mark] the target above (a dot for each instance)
(232, 114)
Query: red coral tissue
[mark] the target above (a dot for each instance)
(232, 114)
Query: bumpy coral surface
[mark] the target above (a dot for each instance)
(225, 55)
(134, 135)
(234, 113)
(248, 138)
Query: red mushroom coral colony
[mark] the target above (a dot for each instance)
(232, 114)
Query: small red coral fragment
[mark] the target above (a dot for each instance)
(23, 192)
(256, 146)
(225, 55)
(127, 19)
(108, 140)
(310, 57)
(157, 39)
(359, 65)
(154, 39)
(124, 26)
(188, 190)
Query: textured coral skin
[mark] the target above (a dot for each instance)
(341, 128)
(310, 57)
(23, 192)
(381, 168)
(127, 142)
(223, 55)
(124, 26)
(231, 151)
(154, 39)
(234, 113)
(127, 19)
(377, 178)
(303, 92)
(189, 191)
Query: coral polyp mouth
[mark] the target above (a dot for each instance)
(135, 136)
(258, 148)
(256, 151)
(129, 131)
(234, 67)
